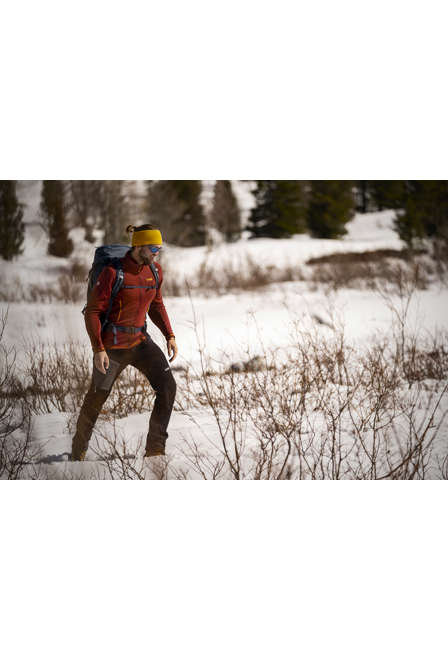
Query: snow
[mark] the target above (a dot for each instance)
(372, 232)
(230, 327)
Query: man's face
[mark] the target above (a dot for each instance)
(147, 255)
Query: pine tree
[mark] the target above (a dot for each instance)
(387, 194)
(225, 213)
(53, 210)
(425, 212)
(362, 196)
(280, 209)
(175, 207)
(12, 231)
(331, 206)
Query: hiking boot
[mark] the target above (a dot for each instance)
(80, 457)
(155, 446)
(79, 447)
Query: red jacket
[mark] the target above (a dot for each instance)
(129, 307)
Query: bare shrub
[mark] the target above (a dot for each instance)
(19, 456)
(78, 271)
(323, 410)
(355, 270)
(131, 394)
(368, 256)
(440, 257)
(69, 290)
(118, 460)
(230, 276)
(417, 356)
(57, 378)
(427, 360)
(320, 418)
(367, 275)
(9, 291)
(15, 291)
(69, 287)
(16, 448)
(205, 463)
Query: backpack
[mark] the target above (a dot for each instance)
(111, 255)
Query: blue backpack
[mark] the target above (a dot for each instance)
(111, 255)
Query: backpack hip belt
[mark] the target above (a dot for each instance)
(123, 328)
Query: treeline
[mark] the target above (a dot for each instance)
(109, 206)
(282, 209)
(323, 208)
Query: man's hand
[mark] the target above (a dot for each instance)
(101, 361)
(172, 348)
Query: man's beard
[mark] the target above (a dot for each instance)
(146, 260)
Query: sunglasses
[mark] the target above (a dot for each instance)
(154, 249)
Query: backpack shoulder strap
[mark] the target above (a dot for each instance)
(119, 278)
(155, 272)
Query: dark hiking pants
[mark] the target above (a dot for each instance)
(150, 361)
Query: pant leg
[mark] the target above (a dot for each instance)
(151, 361)
(91, 408)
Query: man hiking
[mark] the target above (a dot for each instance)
(124, 341)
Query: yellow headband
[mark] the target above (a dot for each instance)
(147, 237)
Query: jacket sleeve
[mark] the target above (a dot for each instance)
(97, 304)
(157, 312)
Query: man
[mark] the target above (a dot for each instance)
(124, 341)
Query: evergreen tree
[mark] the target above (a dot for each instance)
(387, 194)
(12, 230)
(53, 210)
(425, 212)
(164, 208)
(280, 209)
(331, 206)
(225, 214)
(362, 196)
(379, 195)
(175, 207)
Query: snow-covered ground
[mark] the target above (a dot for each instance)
(229, 326)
